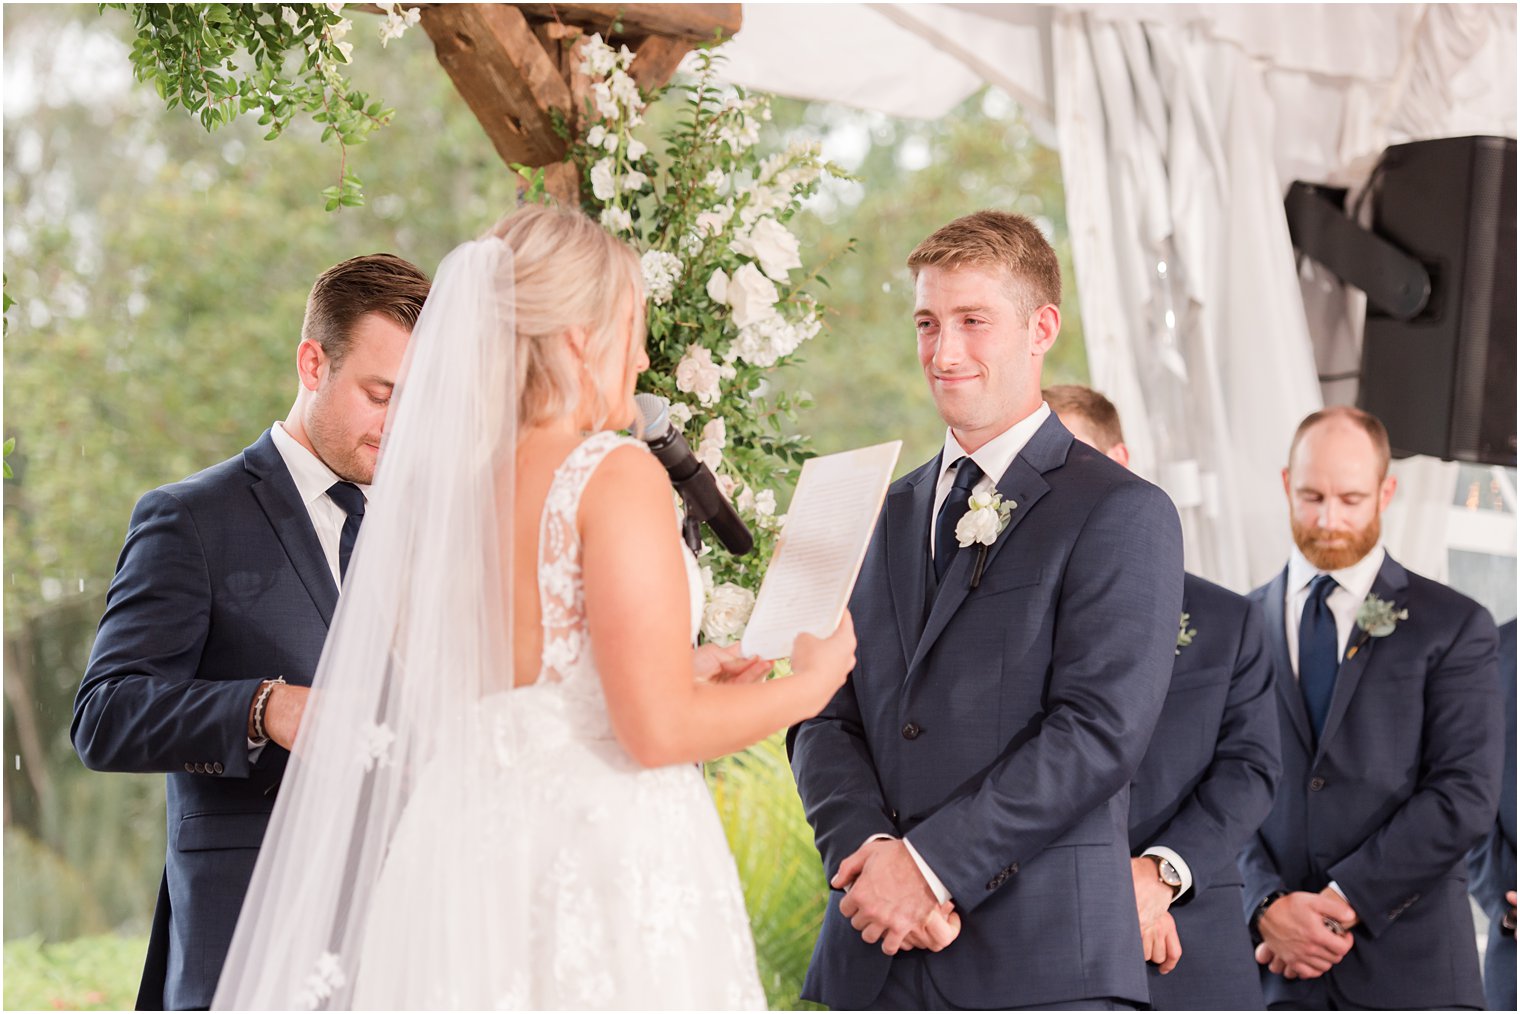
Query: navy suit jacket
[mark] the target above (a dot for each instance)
(221, 584)
(997, 728)
(1403, 781)
(1492, 863)
(1203, 789)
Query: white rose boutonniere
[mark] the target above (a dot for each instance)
(986, 516)
(1376, 617)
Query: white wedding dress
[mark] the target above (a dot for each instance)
(613, 885)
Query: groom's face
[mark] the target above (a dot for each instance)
(345, 418)
(981, 348)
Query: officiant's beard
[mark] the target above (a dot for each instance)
(1336, 550)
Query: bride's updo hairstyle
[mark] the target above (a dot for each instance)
(570, 273)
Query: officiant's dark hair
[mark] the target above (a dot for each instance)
(995, 239)
(375, 283)
(1085, 403)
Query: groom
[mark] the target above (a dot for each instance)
(216, 617)
(1011, 666)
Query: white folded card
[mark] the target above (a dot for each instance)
(828, 527)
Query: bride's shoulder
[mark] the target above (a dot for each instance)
(626, 482)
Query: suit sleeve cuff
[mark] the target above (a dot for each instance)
(1162, 852)
(941, 892)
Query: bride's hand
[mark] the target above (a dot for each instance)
(827, 660)
(714, 663)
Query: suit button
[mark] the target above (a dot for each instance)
(216, 768)
(911, 730)
(189, 768)
(1316, 783)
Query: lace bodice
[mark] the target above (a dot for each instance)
(567, 661)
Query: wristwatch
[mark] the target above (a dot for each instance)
(1261, 910)
(1169, 875)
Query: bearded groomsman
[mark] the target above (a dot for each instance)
(1392, 738)
(1207, 779)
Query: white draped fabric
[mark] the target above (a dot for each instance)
(1180, 128)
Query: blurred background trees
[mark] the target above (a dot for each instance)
(159, 274)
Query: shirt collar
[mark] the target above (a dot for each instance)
(311, 475)
(994, 457)
(1356, 579)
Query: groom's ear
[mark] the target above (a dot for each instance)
(311, 364)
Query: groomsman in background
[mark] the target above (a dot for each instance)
(1492, 863)
(1206, 782)
(1392, 740)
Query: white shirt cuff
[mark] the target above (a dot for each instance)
(941, 893)
(1337, 889)
(1162, 852)
(254, 749)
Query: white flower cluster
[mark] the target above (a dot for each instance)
(661, 272)
(727, 610)
(396, 21)
(698, 374)
(621, 108)
(741, 130)
(714, 440)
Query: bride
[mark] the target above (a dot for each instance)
(494, 800)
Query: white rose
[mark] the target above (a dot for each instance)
(773, 245)
(636, 150)
(680, 414)
(978, 526)
(698, 374)
(616, 220)
(765, 503)
(715, 221)
(728, 610)
(715, 433)
(717, 287)
(602, 186)
(752, 296)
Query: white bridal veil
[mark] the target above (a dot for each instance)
(422, 633)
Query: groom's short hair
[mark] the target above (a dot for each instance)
(996, 239)
(375, 283)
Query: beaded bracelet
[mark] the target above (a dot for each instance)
(260, 735)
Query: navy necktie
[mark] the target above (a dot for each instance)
(950, 513)
(351, 499)
(1318, 652)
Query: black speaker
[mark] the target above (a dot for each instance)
(1443, 381)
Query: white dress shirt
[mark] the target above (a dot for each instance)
(313, 479)
(993, 458)
(1353, 585)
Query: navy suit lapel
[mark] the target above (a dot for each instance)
(276, 493)
(1392, 580)
(1277, 636)
(1022, 484)
(907, 541)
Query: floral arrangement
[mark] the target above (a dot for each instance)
(1375, 617)
(1185, 634)
(725, 280)
(987, 515)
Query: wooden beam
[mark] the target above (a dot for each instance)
(655, 60)
(694, 22)
(503, 73)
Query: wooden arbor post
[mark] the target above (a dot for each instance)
(517, 65)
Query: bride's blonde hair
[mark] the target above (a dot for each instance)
(569, 273)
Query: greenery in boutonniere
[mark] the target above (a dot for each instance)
(1376, 618)
(1184, 635)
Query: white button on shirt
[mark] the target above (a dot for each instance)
(313, 479)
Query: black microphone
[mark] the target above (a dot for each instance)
(691, 478)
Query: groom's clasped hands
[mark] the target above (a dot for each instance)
(887, 899)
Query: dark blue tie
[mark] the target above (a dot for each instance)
(1318, 652)
(950, 513)
(351, 499)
